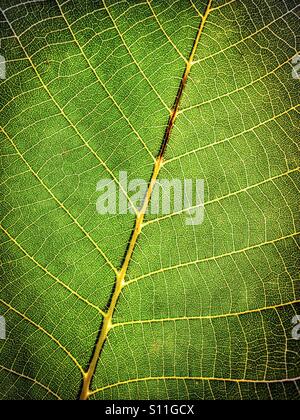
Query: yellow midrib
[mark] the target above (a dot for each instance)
(107, 324)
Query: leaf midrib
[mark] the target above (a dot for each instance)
(120, 283)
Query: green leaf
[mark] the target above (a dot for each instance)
(127, 306)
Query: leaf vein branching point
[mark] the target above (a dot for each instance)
(213, 258)
(120, 277)
(205, 317)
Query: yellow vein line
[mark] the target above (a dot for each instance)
(197, 10)
(239, 89)
(196, 378)
(241, 41)
(217, 200)
(62, 111)
(223, 5)
(22, 94)
(82, 299)
(120, 279)
(164, 32)
(60, 204)
(21, 375)
(249, 130)
(204, 317)
(215, 258)
(22, 3)
(40, 328)
(132, 57)
(102, 84)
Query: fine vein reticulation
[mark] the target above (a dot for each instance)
(142, 307)
(107, 323)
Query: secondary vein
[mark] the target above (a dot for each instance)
(107, 324)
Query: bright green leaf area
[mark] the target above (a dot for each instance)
(207, 310)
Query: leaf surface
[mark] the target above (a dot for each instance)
(175, 311)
